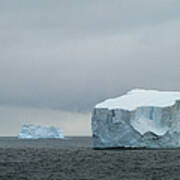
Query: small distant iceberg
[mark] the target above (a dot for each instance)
(30, 131)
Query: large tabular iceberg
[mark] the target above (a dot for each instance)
(141, 118)
(29, 131)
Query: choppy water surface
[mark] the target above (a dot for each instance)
(74, 158)
(67, 142)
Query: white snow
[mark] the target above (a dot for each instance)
(30, 131)
(143, 125)
(140, 97)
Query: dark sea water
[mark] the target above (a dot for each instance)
(74, 158)
(67, 142)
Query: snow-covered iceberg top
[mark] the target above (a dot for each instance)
(30, 131)
(140, 97)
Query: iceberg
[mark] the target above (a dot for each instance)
(140, 118)
(30, 131)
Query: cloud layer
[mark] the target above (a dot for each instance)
(72, 54)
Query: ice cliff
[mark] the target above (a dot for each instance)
(140, 118)
(29, 131)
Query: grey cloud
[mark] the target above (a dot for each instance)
(72, 54)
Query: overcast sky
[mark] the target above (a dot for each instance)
(70, 55)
